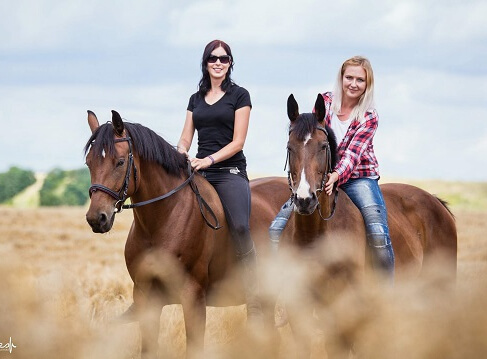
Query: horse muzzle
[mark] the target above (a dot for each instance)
(100, 221)
(307, 205)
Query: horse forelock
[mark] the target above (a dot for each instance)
(148, 145)
(304, 125)
(101, 141)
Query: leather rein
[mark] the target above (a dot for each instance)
(323, 179)
(121, 196)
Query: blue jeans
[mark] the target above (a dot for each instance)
(365, 193)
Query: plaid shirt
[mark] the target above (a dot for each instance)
(356, 156)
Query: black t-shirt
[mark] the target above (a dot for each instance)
(215, 124)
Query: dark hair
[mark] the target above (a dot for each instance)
(205, 83)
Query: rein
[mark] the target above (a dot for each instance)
(122, 196)
(323, 179)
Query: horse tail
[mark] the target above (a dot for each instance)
(446, 205)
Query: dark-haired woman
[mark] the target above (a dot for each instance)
(220, 111)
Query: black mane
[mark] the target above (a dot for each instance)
(146, 143)
(305, 124)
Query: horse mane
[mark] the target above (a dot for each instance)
(305, 124)
(146, 143)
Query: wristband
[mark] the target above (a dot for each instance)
(211, 159)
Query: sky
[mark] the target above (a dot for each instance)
(59, 59)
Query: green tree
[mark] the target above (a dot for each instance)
(65, 188)
(14, 181)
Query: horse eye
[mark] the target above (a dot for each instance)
(121, 162)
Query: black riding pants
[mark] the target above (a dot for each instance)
(233, 188)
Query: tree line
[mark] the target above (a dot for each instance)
(60, 187)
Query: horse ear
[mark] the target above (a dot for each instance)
(320, 108)
(292, 108)
(117, 123)
(92, 121)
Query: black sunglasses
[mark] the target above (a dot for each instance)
(225, 59)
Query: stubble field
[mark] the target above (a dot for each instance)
(61, 286)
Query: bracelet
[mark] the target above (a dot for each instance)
(211, 159)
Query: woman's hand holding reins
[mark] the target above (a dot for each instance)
(201, 163)
(332, 178)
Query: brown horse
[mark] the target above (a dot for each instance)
(174, 252)
(327, 232)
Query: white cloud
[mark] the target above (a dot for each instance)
(427, 127)
(50, 25)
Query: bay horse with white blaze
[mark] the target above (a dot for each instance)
(174, 252)
(328, 232)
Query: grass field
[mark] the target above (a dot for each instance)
(62, 284)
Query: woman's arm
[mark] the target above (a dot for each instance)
(184, 143)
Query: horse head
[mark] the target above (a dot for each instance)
(112, 168)
(311, 154)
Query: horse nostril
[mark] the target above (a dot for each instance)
(102, 218)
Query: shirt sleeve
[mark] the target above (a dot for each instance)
(328, 97)
(243, 98)
(355, 148)
(191, 103)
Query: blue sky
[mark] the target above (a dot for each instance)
(141, 58)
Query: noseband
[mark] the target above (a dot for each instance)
(120, 196)
(323, 179)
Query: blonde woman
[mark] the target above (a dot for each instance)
(351, 114)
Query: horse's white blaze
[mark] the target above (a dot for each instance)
(103, 154)
(307, 139)
(303, 188)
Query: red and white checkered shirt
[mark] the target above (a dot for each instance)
(356, 157)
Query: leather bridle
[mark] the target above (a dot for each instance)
(122, 195)
(323, 179)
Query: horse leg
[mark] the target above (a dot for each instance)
(193, 300)
(149, 306)
(269, 338)
(300, 317)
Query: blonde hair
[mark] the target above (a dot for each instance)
(366, 101)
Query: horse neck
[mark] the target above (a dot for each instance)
(155, 181)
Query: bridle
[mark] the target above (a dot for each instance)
(122, 195)
(323, 179)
